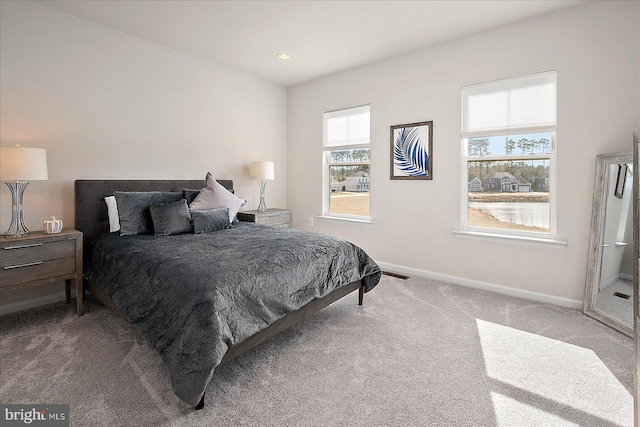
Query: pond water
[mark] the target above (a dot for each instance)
(524, 213)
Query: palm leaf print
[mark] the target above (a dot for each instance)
(410, 153)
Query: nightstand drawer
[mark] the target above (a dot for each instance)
(272, 217)
(283, 219)
(36, 270)
(25, 253)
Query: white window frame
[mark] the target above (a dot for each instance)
(326, 164)
(467, 230)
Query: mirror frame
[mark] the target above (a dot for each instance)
(636, 272)
(596, 243)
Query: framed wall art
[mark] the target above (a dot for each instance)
(412, 151)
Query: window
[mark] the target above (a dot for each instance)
(508, 144)
(347, 163)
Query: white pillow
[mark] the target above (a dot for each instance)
(214, 196)
(112, 210)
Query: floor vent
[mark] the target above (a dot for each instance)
(396, 275)
(618, 294)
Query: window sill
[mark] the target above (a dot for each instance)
(509, 238)
(347, 219)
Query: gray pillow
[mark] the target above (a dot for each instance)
(171, 218)
(190, 195)
(133, 209)
(210, 220)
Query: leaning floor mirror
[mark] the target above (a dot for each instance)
(636, 269)
(609, 287)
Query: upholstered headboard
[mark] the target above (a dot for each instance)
(91, 209)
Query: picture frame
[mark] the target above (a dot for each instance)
(620, 182)
(412, 151)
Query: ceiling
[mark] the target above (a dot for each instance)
(322, 37)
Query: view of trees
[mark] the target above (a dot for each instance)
(340, 173)
(480, 146)
(526, 169)
(358, 155)
(533, 146)
(358, 160)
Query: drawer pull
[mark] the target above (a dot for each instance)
(29, 264)
(23, 246)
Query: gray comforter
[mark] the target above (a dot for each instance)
(195, 295)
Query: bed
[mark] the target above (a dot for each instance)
(204, 299)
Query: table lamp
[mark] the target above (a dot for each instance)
(18, 166)
(262, 171)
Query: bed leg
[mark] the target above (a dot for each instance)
(360, 295)
(200, 405)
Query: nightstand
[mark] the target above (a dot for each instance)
(41, 258)
(275, 217)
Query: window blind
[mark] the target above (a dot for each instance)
(518, 105)
(347, 127)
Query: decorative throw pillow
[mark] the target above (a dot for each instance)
(190, 195)
(112, 212)
(133, 209)
(171, 218)
(214, 195)
(210, 220)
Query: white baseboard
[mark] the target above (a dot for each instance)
(604, 285)
(520, 293)
(32, 303)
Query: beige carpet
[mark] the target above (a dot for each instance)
(419, 352)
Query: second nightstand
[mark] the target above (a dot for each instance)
(275, 217)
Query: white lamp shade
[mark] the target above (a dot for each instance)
(262, 170)
(23, 164)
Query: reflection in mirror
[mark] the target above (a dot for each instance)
(609, 290)
(616, 276)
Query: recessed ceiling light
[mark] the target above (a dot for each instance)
(284, 56)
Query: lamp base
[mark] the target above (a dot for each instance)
(17, 227)
(262, 207)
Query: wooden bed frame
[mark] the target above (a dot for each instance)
(92, 219)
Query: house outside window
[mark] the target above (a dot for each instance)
(508, 145)
(346, 163)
